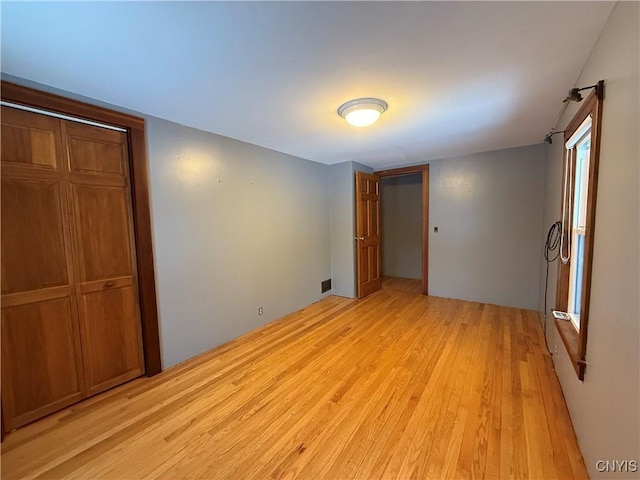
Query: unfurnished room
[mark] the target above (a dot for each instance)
(320, 240)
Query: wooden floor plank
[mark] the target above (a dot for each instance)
(395, 385)
(401, 284)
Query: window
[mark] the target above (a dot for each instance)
(579, 148)
(579, 184)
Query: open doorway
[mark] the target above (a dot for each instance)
(405, 223)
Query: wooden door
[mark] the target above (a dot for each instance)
(368, 233)
(105, 264)
(42, 368)
(70, 311)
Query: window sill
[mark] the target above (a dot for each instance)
(575, 321)
(571, 339)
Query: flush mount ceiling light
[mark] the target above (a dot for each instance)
(362, 111)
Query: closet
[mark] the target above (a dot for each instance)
(71, 323)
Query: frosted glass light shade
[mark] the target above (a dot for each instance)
(362, 111)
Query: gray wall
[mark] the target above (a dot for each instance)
(488, 208)
(343, 253)
(342, 230)
(401, 216)
(605, 407)
(235, 227)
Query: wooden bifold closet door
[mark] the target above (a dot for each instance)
(70, 309)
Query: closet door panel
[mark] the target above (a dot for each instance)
(33, 246)
(40, 360)
(96, 150)
(29, 139)
(41, 354)
(91, 156)
(103, 232)
(114, 341)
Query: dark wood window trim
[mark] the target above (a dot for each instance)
(140, 191)
(576, 341)
(424, 171)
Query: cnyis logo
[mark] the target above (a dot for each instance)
(611, 466)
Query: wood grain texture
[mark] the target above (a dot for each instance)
(138, 170)
(33, 241)
(41, 352)
(394, 172)
(41, 362)
(70, 311)
(55, 103)
(368, 253)
(395, 385)
(407, 285)
(102, 227)
(144, 249)
(30, 140)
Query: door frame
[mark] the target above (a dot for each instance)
(423, 170)
(138, 167)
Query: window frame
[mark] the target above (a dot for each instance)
(575, 341)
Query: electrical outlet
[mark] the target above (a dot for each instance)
(260, 310)
(555, 350)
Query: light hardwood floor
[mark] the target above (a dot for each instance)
(407, 285)
(396, 385)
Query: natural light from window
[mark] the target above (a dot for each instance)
(579, 147)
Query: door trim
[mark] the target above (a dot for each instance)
(138, 166)
(424, 171)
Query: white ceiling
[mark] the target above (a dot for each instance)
(459, 77)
